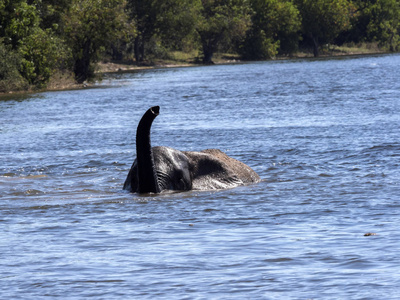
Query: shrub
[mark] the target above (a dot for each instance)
(10, 77)
(42, 53)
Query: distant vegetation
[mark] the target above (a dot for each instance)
(41, 38)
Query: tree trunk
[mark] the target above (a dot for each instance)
(139, 49)
(207, 59)
(82, 64)
(208, 52)
(316, 45)
(116, 53)
(392, 48)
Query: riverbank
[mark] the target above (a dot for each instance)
(179, 59)
(65, 80)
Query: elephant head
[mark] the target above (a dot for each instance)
(162, 168)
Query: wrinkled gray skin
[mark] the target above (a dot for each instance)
(157, 169)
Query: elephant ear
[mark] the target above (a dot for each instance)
(241, 170)
(213, 169)
(131, 182)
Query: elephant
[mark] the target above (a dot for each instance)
(158, 169)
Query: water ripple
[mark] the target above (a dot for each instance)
(322, 134)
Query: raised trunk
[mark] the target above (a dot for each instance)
(147, 175)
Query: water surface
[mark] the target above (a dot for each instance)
(322, 134)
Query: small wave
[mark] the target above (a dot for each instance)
(387, 149)
(325, 175)
(357, 263)
(14, 177)
(279, 259)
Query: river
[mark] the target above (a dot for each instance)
(323, 134)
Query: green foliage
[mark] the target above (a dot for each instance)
(258, 45)
(288, 26)
(10, 77)
(51, 14)
(90, 27)
(36, 52)
(144, 14)
(222, 23)
(176, 23)
(42, 52)
(162, 25)
(275, 28)
(18, 20)
(323, 20)
(384, 23)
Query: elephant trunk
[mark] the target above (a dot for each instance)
(147, 175)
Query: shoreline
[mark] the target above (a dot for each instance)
(65, 82)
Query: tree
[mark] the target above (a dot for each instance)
(275, 28)
(176, 23)
(288, 26)
(91, 26)
(323, 20)
(37, 50)
(51, 14)
(144, 14)
(169, 20)
(10, 76)
(18, 19)
(42, 53)
(221, 22)
(384, 23)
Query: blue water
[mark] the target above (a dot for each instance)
(322, 134)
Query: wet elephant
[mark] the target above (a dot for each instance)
(157, 169)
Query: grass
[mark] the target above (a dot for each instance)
(361, 48)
